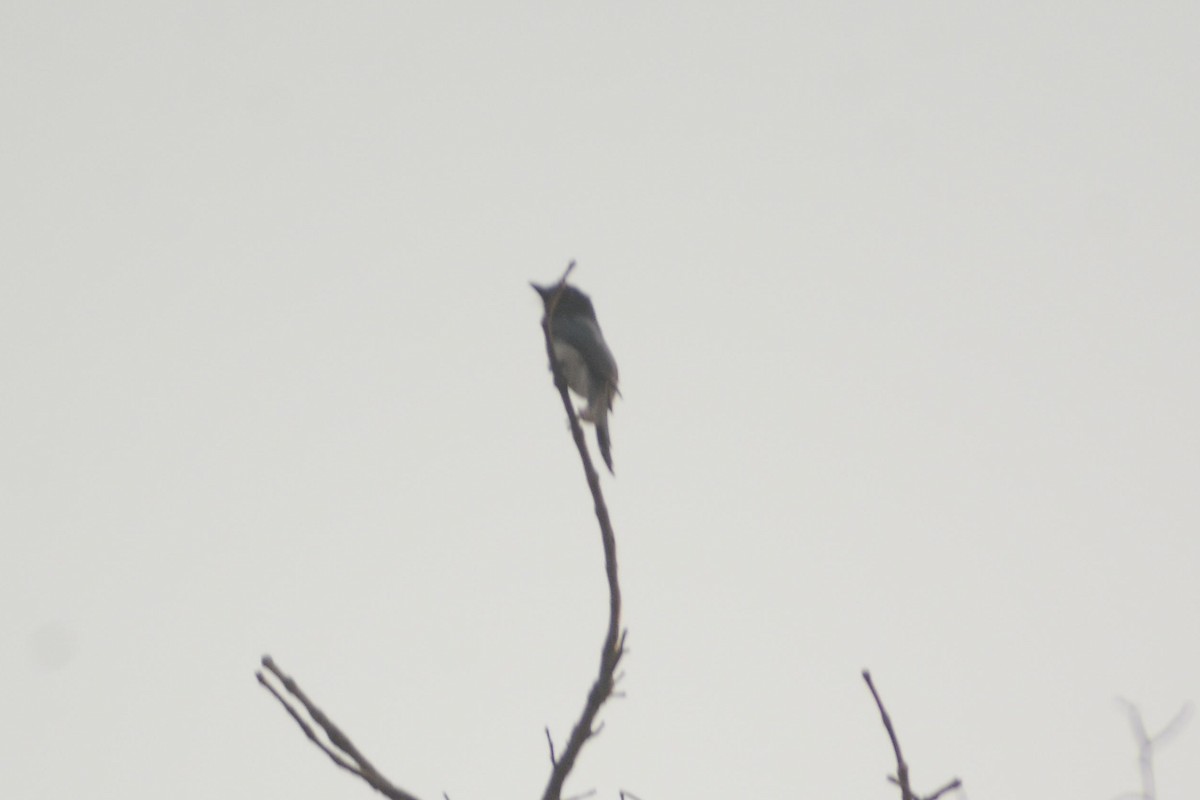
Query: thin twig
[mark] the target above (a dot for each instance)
(949, 787)
(304, 726)
(361, 766)
(614, 639)
(901, 778)
(584, 796)
(901, 768)
(1147, 744)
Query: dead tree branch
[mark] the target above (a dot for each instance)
(614, 639)
(340, 749)
(1148, 744)
(901, 777)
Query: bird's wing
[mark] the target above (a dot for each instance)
(584, 335)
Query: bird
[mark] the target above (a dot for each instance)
(583, 357)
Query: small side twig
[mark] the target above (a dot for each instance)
(340, 749)
(1148, 744)
(901, 777)
(949, 787)
(550, 742)
(901, 767)
(613, 648)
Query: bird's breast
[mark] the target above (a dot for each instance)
(573, 367)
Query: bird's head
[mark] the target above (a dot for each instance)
(571, 301)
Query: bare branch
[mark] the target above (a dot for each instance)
(342, 751)
(901, 767)
(304, 726)
(1181, 718)
(949, 787)
(550, 741)
(614, 639)
(360, 766)
(1147, 743)
(901, 779)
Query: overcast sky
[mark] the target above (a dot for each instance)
(905, 301)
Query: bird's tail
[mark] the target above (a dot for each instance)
(603, 441)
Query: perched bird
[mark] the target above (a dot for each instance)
(583, 356)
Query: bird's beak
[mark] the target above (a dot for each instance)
(542, 290)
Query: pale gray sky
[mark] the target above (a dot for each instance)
(905, 302)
